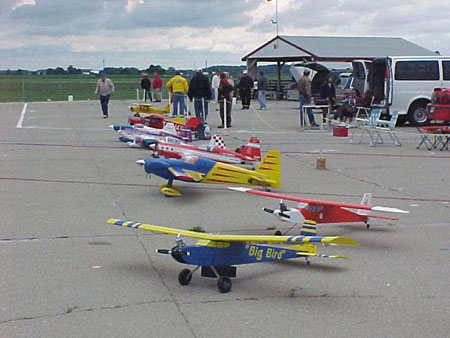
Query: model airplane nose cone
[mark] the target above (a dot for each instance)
(140, 163)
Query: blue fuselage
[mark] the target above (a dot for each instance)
(235, 254)
(160, 166)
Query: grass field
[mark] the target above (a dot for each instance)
(57, 88)
(35, 88)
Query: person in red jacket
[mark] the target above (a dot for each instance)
(157, 84)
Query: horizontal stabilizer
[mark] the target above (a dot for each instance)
(306, 254)
(388, 209)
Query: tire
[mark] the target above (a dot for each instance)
(184, 277)
(224, 284)
(418, 115)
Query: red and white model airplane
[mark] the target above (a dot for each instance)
(215, 150)
(324, 211)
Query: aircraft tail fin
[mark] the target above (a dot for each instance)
(309, 228)
(217, 141)
(252, 149)
(170, 128)
(366, 200)
(270, 168)
(166, 109)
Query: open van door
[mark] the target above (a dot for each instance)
(389, 82)
(360, 72)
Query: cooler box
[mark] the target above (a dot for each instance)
(340, 131)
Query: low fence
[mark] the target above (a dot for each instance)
(33, 91)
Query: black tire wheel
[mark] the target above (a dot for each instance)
(278, 233)
(224, 284)
(418, 115)
(185, 276)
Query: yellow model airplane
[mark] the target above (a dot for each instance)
(216, 254)
(146, 108)
(201, 170)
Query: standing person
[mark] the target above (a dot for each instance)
(262, 86)
(225, 99)
(245, 89)
(200, 92)
(215, 82)
(145, 84)
(178, 86)
(304, 97)
(157, 84)
(328, 92)
(105, 88)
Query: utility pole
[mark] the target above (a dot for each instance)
(103, 64)
(275, 22)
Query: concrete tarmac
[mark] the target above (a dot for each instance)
(66, 273)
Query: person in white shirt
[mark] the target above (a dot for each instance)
(215, 83)
(105, 88)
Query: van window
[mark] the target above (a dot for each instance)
(446, 68)
(417, 70)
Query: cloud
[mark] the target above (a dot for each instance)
(180, 32)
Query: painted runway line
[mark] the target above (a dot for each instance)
(145, 185)
(292, 153)
(22, 116)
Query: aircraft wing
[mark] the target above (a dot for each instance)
(236, 238)
(186, 175)
(319, 202)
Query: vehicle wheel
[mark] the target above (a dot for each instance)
(184, 277)
(224, 284)
(278, 233)
(418, 115)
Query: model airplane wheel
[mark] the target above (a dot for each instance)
(278, 233)
(224, 284)
(368, 226)
(185, 276)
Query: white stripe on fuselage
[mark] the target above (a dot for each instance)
(200, 153)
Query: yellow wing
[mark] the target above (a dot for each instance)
(236, 238)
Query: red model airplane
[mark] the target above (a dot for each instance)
(215, 150)
(324, 211)
(158, 121)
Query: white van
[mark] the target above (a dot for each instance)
(403, 83)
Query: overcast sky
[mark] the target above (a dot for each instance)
(37, 34)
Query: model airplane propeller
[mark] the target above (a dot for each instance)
(217, 255)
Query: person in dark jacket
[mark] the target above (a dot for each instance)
(245, 89)
(328, 92)
(225, 100)
(146, 85)
(200, 92)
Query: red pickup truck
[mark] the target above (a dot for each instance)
(439, 108)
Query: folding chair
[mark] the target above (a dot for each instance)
(384, 126)
(364, 124)
(438, 134)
